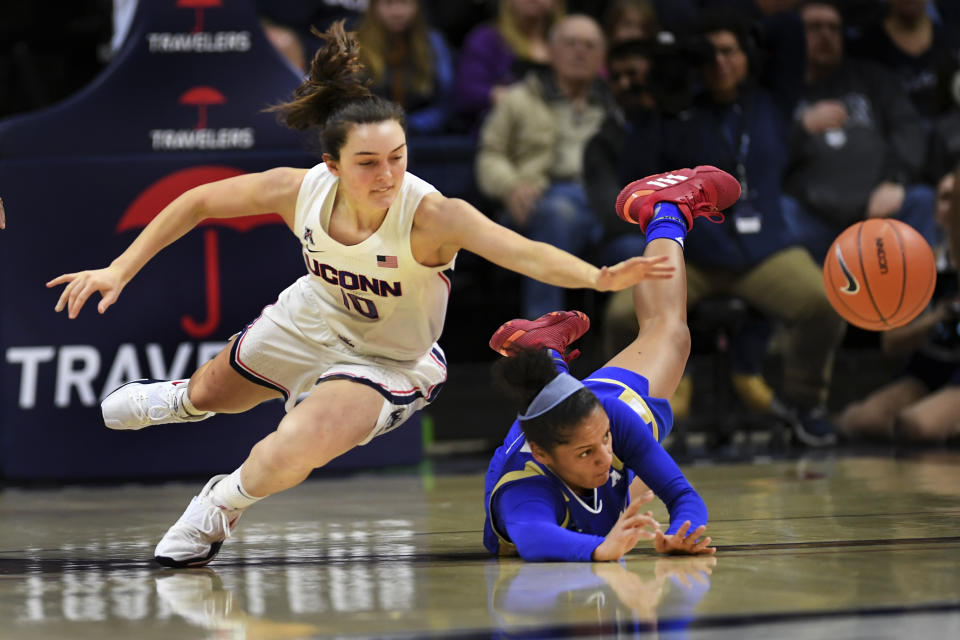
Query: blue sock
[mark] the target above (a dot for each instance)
(667, 222)
(558, 361)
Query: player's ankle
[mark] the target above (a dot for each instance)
(667, 222)
(188, 406)
(230, 493)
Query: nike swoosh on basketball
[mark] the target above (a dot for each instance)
(852, 285)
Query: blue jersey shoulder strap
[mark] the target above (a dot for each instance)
(636, 402)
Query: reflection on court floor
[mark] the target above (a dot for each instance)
(845, 547)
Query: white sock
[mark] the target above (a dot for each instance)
(230, 494)
(183, 391)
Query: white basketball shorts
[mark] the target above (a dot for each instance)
(277, 355)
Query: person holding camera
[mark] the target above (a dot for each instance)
(739, 124)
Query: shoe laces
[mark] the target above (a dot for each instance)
(701, 207)
(215, 519)
(224, 522)
(146, 411)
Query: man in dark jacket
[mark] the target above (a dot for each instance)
(857, 143)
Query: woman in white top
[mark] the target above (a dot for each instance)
(364, 320)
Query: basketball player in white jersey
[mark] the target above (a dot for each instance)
(363, 322)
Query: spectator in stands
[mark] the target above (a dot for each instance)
(923, 404)
(410, 63)
(916, 49)
(530, 155)
(630, 20)
(628, 70)
(737, 125)
(498, 54)
(857, 144)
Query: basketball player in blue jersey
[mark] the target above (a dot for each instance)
(357, 334)
(559, 486)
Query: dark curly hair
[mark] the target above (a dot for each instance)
(521, 377)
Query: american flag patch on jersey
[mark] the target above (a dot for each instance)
(390, 262)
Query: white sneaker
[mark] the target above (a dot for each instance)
(141, 403)
(197, 536)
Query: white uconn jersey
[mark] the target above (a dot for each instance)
(374, 295)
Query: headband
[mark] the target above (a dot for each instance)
(555, 392)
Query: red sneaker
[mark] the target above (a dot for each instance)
(555, 330)
(701, 191)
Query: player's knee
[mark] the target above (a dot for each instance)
(280, 455)
(283, 449)
(302, 443)
(673, 333)
(679, 335)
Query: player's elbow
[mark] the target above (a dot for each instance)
(530, 541)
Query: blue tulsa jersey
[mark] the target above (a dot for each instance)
(532, 511)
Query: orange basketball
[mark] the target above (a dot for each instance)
(879, 274)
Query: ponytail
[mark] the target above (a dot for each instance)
(335, 94)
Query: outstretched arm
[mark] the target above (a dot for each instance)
(3, 216)
(636, 446)
(527, 511)
(449, 224)
(273, 191)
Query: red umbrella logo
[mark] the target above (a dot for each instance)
(198, 6)
(201, 98)
(161, 193)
